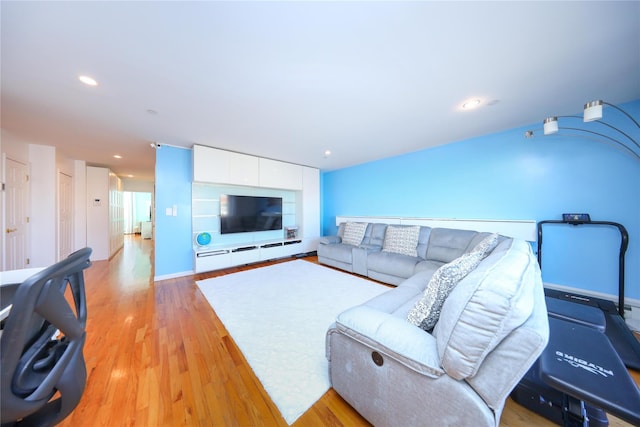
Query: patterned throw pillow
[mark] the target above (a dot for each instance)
(426, 311)
(402, 240)
(354, 233)
(486, 245)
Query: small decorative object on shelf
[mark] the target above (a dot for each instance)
(203, 239)
(291, 232)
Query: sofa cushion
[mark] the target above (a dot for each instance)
(401, 240)
(423, 241)
(486, 306)
(375, 237)
(447, 244)
(427, 265)
(340, 253)
(392, 264)
(330, 240)
(353, 233)
(426, 311)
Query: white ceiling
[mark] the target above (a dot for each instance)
(289, 80)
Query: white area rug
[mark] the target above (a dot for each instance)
(278, 316)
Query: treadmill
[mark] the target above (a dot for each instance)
(616, 329)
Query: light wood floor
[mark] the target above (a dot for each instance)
(157, 355)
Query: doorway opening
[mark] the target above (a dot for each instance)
(137, 214)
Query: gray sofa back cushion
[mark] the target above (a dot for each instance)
(374, 235)
(486, 306)
(447, 244)
(423, 241)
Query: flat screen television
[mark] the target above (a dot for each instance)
(243, 214)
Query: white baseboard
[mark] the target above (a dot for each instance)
(173, 275)
(631, 305)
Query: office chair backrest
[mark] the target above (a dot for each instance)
(41, 345)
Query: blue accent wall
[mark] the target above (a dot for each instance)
(508, 176)
(173, 248)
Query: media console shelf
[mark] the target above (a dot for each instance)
(215, 258)
(218, 172)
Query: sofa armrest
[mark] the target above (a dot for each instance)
(328, 240)
(390, 335)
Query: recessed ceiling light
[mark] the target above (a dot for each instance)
(117, 156)
(327, 153)
(130, 176)
(471, 104)
(88, 80)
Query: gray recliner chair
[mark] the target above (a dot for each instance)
(491, 329)
(41, 345)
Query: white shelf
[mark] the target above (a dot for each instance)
(217, 172)
(208, 258)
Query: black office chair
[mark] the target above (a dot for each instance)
(41, 345)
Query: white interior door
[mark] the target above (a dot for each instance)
(65, 215)
(16, 215)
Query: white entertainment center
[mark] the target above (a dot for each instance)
(218, 172)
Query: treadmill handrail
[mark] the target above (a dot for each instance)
(624, 244)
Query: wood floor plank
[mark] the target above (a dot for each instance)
(157, 355)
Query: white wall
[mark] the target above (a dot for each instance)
(136, 186)
(43, 218)
(97, 205)
(14, 148)
(79, 204)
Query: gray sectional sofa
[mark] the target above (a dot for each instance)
(490, 328)
(435, 247)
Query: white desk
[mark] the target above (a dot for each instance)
(13, 277)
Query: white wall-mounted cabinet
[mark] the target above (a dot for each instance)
(243, 169)
(218, 172)
(217, 166)
(224, 167)
(275, 174)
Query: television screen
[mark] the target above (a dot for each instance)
(242, 214)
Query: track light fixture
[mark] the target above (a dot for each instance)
(550, 125)
(593, 113)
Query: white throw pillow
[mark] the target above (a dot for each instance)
(354, 233)
(426, 310)
(402, 240)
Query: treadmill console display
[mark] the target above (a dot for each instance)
(576, 218)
